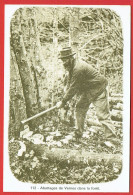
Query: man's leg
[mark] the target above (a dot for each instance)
(81, 110)
(102, 109)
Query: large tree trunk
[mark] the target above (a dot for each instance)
(17, 101)
(36, 56)
(25, 67)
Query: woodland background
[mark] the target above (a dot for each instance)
(37, 81)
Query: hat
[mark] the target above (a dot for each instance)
(66, 52)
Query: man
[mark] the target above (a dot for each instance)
(91, 86)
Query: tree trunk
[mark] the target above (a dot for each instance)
(55, 49)
(24, 66)
(74, 30)
(17, 101)
(36, 57)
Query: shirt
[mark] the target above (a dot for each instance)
(85, 79)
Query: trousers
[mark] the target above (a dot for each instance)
(101, 105)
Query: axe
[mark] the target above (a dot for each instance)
(39, 114)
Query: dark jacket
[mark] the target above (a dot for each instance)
(85, 79)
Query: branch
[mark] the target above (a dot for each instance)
(63, 26)
(91, 40)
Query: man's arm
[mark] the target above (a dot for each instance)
(73, 89)
(70, 92)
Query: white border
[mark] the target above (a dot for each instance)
(11, 184)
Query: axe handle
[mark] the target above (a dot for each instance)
(37, 115)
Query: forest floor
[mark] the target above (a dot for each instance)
(29, 166)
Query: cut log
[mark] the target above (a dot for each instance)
(116, 95)
(116, 115)
(115, 100)
(74, 155)
(119, 106)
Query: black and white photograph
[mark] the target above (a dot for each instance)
(67, 92)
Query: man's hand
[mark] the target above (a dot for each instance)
(59, 104)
